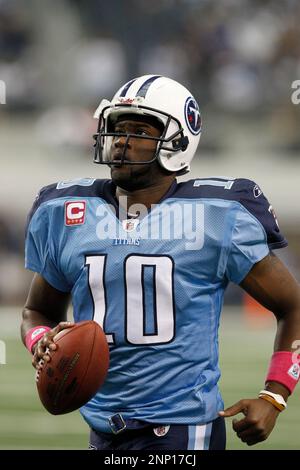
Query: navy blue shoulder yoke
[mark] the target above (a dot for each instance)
(242, 190)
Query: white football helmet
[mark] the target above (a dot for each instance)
(163, 99)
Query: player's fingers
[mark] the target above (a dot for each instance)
(46, 344)
(47, 355)
(252, 434)
(63, 325)
(252, 438)
(47, 341)
(55, 332)
(233, 410)
(239, 425)
(250, 431)
(40, 350)
(59, 329)
(43, 343)
(252, 442)
(255, 440)
(37, 362)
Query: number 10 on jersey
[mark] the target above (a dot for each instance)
(135, 298)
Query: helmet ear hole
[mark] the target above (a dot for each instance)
(180, 143)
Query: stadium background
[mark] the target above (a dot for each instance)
(57, 60)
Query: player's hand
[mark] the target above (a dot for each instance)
(45, 345)
(259, 420)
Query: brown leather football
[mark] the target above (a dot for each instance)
(77, 369)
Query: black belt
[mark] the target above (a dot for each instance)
(119, 424)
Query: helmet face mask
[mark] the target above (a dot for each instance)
(175, 142)
(164, 101)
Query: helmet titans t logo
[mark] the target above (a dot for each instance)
(192, 115)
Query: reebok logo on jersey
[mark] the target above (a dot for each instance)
(257, 191)
(75, 212)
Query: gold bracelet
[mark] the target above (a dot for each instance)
(273, 402)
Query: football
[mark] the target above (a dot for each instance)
(77, 369)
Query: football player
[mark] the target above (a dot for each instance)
(149, 259)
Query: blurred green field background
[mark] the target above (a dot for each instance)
(244, 353)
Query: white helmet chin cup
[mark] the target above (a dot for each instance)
(171, 103)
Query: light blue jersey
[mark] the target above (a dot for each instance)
(154, 284)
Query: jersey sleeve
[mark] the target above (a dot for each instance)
(248, 246)
(40, 248)
(252, 198)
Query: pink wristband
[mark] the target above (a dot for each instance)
(34, 334)
(285, 369)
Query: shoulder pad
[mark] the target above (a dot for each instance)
(84, 187)
(241, 190)
(249, 194)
